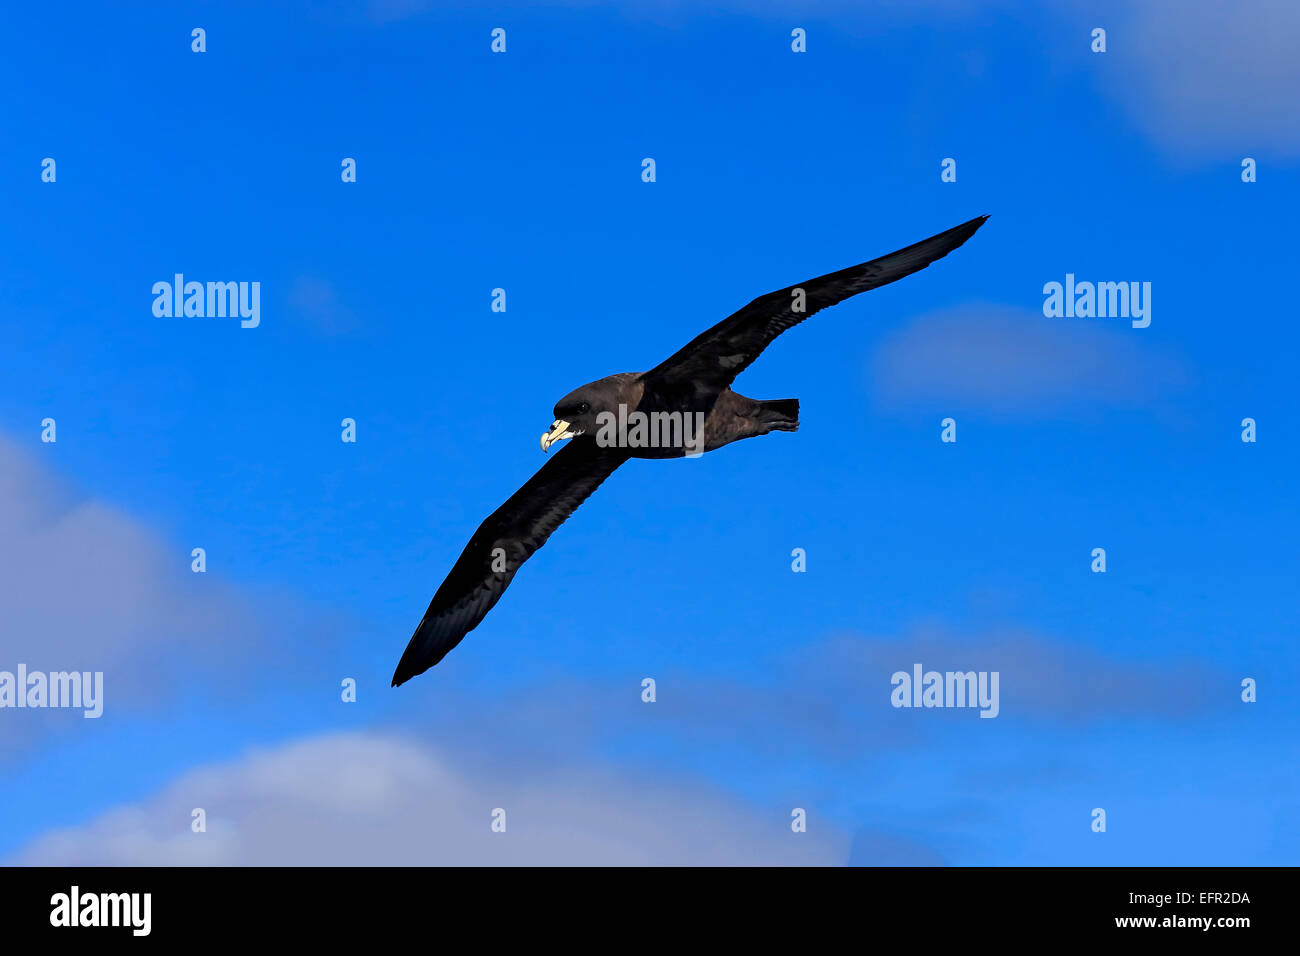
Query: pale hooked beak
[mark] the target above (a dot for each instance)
(559, 430)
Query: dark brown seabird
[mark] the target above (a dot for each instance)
(652, 414)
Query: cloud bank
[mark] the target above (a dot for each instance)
(1015, 362)
(86, 587)
(379, 799)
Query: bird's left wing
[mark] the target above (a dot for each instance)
(716, 356)
(502, 543)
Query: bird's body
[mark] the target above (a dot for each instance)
(727, 415)
(684, 406)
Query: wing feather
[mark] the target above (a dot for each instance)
(714, 358)
(518, 528)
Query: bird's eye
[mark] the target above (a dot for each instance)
(583, 408)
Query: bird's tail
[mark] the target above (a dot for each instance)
(780, 414)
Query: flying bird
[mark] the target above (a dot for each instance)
(684, 406)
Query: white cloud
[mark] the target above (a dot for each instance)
(86, 587)
(1204, 79)
(1007, 360)
(378, 799)
(1207, 79)
(82, 584)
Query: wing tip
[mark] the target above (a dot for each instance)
(433, 640)
(959, 234)
(407, 665)
(401, 676)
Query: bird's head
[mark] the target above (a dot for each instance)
(577, 413)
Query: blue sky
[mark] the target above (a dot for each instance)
(523, 171)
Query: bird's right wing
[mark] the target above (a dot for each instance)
(716, 356)
(502, 543)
